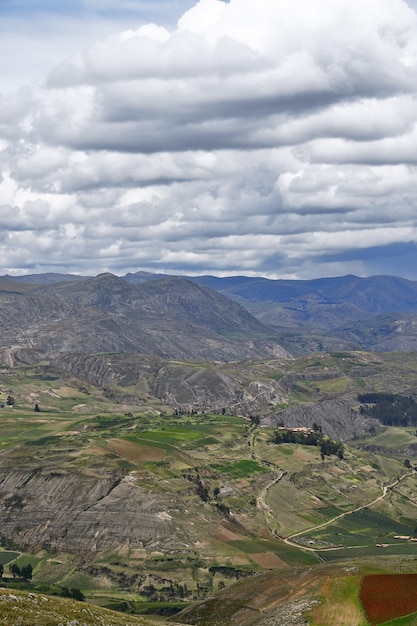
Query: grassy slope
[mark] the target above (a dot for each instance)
(27, 609)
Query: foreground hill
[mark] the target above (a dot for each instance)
(171, 317)
(19, 608)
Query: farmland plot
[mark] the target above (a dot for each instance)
(387, 596)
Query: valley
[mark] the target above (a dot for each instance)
(151, 505)
(165, 456)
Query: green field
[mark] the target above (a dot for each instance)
(394, 437)
(240, 469)
(6, 557)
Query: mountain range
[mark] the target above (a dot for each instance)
(378, 313)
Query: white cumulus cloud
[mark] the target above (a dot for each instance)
(261, 136)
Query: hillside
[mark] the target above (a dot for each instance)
(171, 317)
(136, 483)
(315, 386)
(28, 609)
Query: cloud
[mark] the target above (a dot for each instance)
(266, 137)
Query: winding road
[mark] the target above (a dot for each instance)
(263, 506)
(385, 489)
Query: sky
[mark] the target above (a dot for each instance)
(271, 138)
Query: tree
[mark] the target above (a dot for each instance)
(15, 570)
(77, 594)
(26, 572)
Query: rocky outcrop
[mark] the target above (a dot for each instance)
(81, 514)
(336, 418)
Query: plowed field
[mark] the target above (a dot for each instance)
(386, 596)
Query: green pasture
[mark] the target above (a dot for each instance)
(293, 556)
(25, 430)
(256, 545)
(7, 557)
(26, 559)
(399, 549)
(340, 600)
(240, 469)
(331, 385)
(361, 529)
(393, 437)
(153, 609)
(289, 554)
(214, 419)
(172, 436)
(408, 620)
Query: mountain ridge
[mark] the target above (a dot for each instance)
(170, 317)
(305, 316)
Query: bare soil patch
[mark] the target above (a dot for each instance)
(268, 560)
(96, 450)
(226, 535)
(135, 452)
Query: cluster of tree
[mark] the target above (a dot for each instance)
(329, 447)
(224, 510)
(228, 571)
(291, 436)
(201, 488)
(173, 591)
(24, 572)
(74, 593)
(315, 437)
(390, 409)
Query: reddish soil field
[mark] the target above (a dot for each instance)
(386, 596)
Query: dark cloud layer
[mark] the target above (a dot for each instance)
(254, 137)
